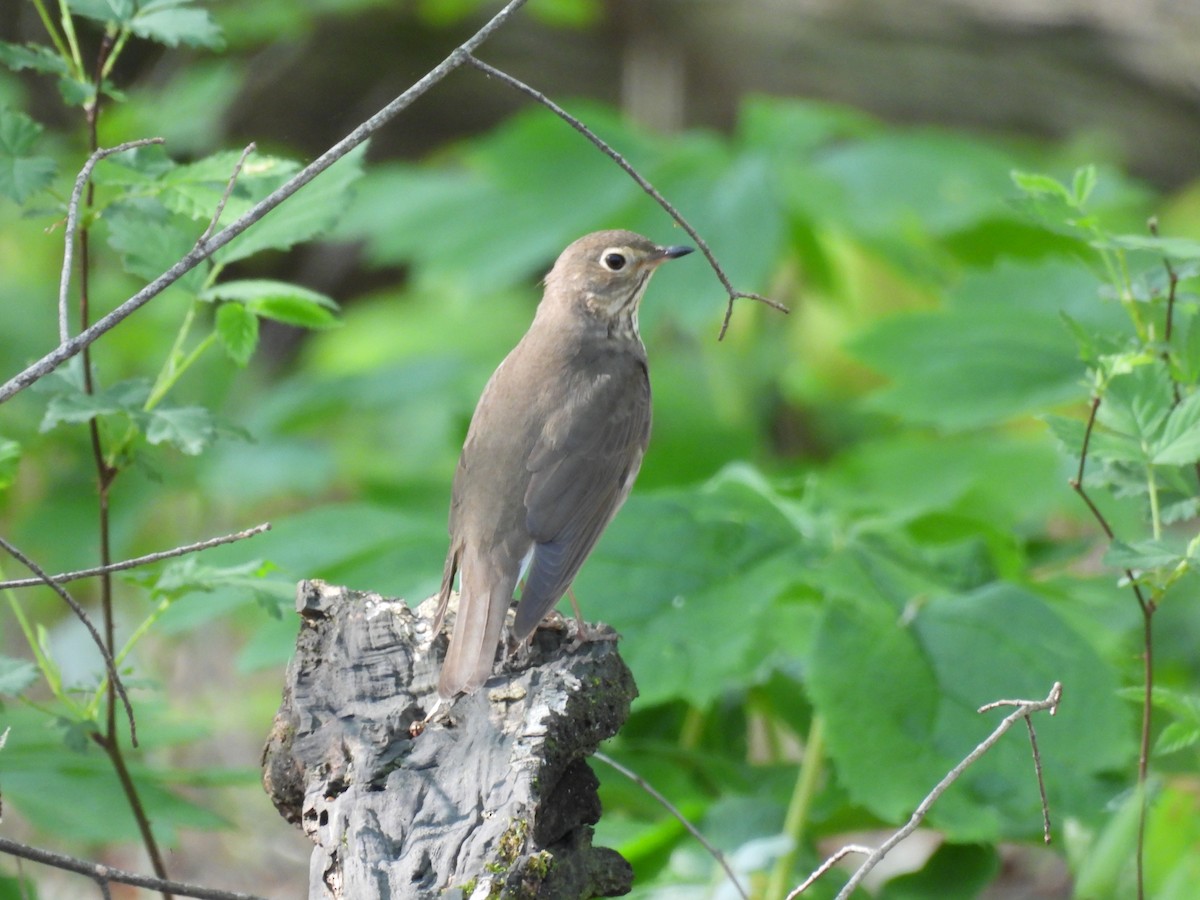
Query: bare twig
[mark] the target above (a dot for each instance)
(237, 170)
(206, 248)
(826, 866)
(1024, 709)
(85, 174)
(104, 875)
(669, 807)
(114, 678)
(645, 185)
(140, 560)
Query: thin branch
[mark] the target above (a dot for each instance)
(204, 249)
(85, 174)
(669, 807)
(103, 875)
(645, 185)
(114, 678)
(1024, 709)
(139, 560)
(237, 170)
(826, 866)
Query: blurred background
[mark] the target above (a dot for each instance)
(850, 159)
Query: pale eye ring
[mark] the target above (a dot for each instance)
(613, 259)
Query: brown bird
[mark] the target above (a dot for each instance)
(552, 451)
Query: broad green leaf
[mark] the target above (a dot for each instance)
(237, 330)
(278, 300)
(1179, 442)
(175, 22)
(311, 211)
(997, 350)
(744, 555)
(15, 676)
(903, 712)
(150, 240)
(22, 173)
(938, 181)
(75, 406)
(188, 428)
(954, 870)
(42, 777)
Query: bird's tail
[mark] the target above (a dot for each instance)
(476, 636)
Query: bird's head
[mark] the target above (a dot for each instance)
(604, 276)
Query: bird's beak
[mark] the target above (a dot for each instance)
(665, 253)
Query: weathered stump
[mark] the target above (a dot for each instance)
(494, 796)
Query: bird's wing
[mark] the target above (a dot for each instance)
(582, 467)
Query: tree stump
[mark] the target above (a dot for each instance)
(493, 797)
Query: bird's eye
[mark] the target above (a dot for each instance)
(613, 260)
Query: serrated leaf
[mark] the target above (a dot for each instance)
(175, 22)
(150, 240)
(116, 12)
(279, 300)
(1179, 442)
(72, 406)
(237, 330)
(1177, 736)
(189, 575)
(37, 57)
(189, 428)
(311, 211)
(22, 173)
(1149, 554)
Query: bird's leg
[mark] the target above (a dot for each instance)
(584, 633)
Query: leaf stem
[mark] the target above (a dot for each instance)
(798, 808)
(57, 40)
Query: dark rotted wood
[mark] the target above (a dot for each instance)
(493, 795)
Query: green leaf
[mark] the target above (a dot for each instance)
(175, 22)
(743, 558)
(997, 350)
(115, 12)
(189, 428)
(10, 456)
(1083, 184)
(22, 174)
(15, 676)
(37, 57)
(311, 211)
(1179, 442)
(899, 686)
(1148, 554)
(1170, 247)
(75, 406)
(279, 300)
(237, 330)
(150, 240)
(1035, 183)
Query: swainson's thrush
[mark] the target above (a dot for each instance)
(552, 451)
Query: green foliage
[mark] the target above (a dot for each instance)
(853, 528)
